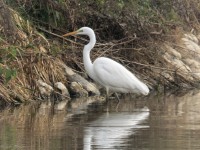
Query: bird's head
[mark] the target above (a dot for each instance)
(81, 31)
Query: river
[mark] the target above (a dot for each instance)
(156, 122)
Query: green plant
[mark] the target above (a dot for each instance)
(7, 55)
(7, 73)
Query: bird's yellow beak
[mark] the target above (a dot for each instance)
(70, 33)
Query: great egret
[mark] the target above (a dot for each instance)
(107, 72)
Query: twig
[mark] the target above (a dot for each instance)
(59, 36)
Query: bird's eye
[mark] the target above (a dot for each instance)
(80, 31)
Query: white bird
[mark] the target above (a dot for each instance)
(107, 72)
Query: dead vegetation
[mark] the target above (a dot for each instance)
(147, 37)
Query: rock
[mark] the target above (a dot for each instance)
(167, 76)
(191, 46)
(172, 51)
(63, 89)
(179, 66)
(191, 37)
(192, 63)
(44, 88)
(195, 67)
(78, 90)
(43, 91)
(73, 77)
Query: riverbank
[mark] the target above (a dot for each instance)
(162, 49)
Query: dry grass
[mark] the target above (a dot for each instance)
(31, 62)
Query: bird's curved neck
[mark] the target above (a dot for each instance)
(86, 54)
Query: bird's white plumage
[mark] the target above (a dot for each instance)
(116, 77)
(107, 72)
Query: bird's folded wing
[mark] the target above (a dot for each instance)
(111, 73)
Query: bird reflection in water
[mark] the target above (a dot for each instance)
(112, 130)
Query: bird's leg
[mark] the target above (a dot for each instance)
(107, 93)
(117, 97)
(118, 101)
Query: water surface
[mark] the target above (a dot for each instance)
(170, 121)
